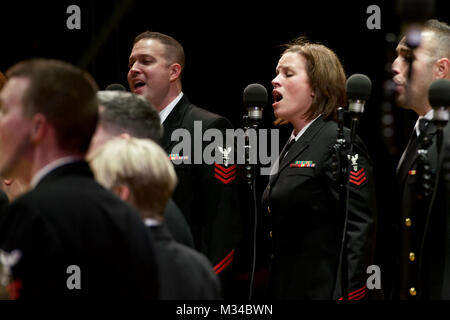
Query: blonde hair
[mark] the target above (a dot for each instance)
(141, 165)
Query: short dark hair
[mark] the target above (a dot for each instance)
(326, 77)
(441, 38)
(65, 95)
(125, 111)
(174, 52)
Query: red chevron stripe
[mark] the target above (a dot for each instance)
(356, 173)
(357, 294)
(226, 170)
(360, 295)
(223, 180)
(224, 260)
(225, 175)
(358, 177)
(224, 266)
(358, 183)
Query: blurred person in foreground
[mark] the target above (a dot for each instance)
(125, 112)
(142, 175)
(68, 237)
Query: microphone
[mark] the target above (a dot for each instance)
(115, 87)
(359, 88)
(255, 99)
(439, 97)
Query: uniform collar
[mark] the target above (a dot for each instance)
(164, 113)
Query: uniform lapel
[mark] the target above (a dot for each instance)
(410, 157)
(298, 147)
(411, 153)
(174, 121)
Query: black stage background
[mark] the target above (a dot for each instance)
(229, 45)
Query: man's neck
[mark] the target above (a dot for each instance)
(43, 159)
(168, 109)
(174, 91)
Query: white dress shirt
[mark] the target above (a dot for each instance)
(164, 113)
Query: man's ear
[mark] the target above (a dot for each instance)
(122, 191)
(442, 70)
(175, 71)
(39, 127)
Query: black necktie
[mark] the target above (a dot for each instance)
(286, 149)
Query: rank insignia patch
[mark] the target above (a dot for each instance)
(357, 177)
(302, 164)
(223, 174)
(354, 160)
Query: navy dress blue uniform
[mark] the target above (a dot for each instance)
(424, 252)
(184, 273)
(177, 225)
(302, 201)
(68, 220)
(206, 194)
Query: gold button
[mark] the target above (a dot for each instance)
(270, 234)
(412, 291)
(408, 222)
(268, 209)
(412, 256)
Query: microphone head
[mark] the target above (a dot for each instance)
(359, 87)
(439, 93)
(115, 87)
(255, 99)
(255, 95)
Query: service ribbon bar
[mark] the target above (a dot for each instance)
(303, 164)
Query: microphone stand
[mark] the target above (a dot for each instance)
(413, 40)
(427, 176)
(446, 175)
(343, 152)
(341, 170)
(250, 177)
(249, 168)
